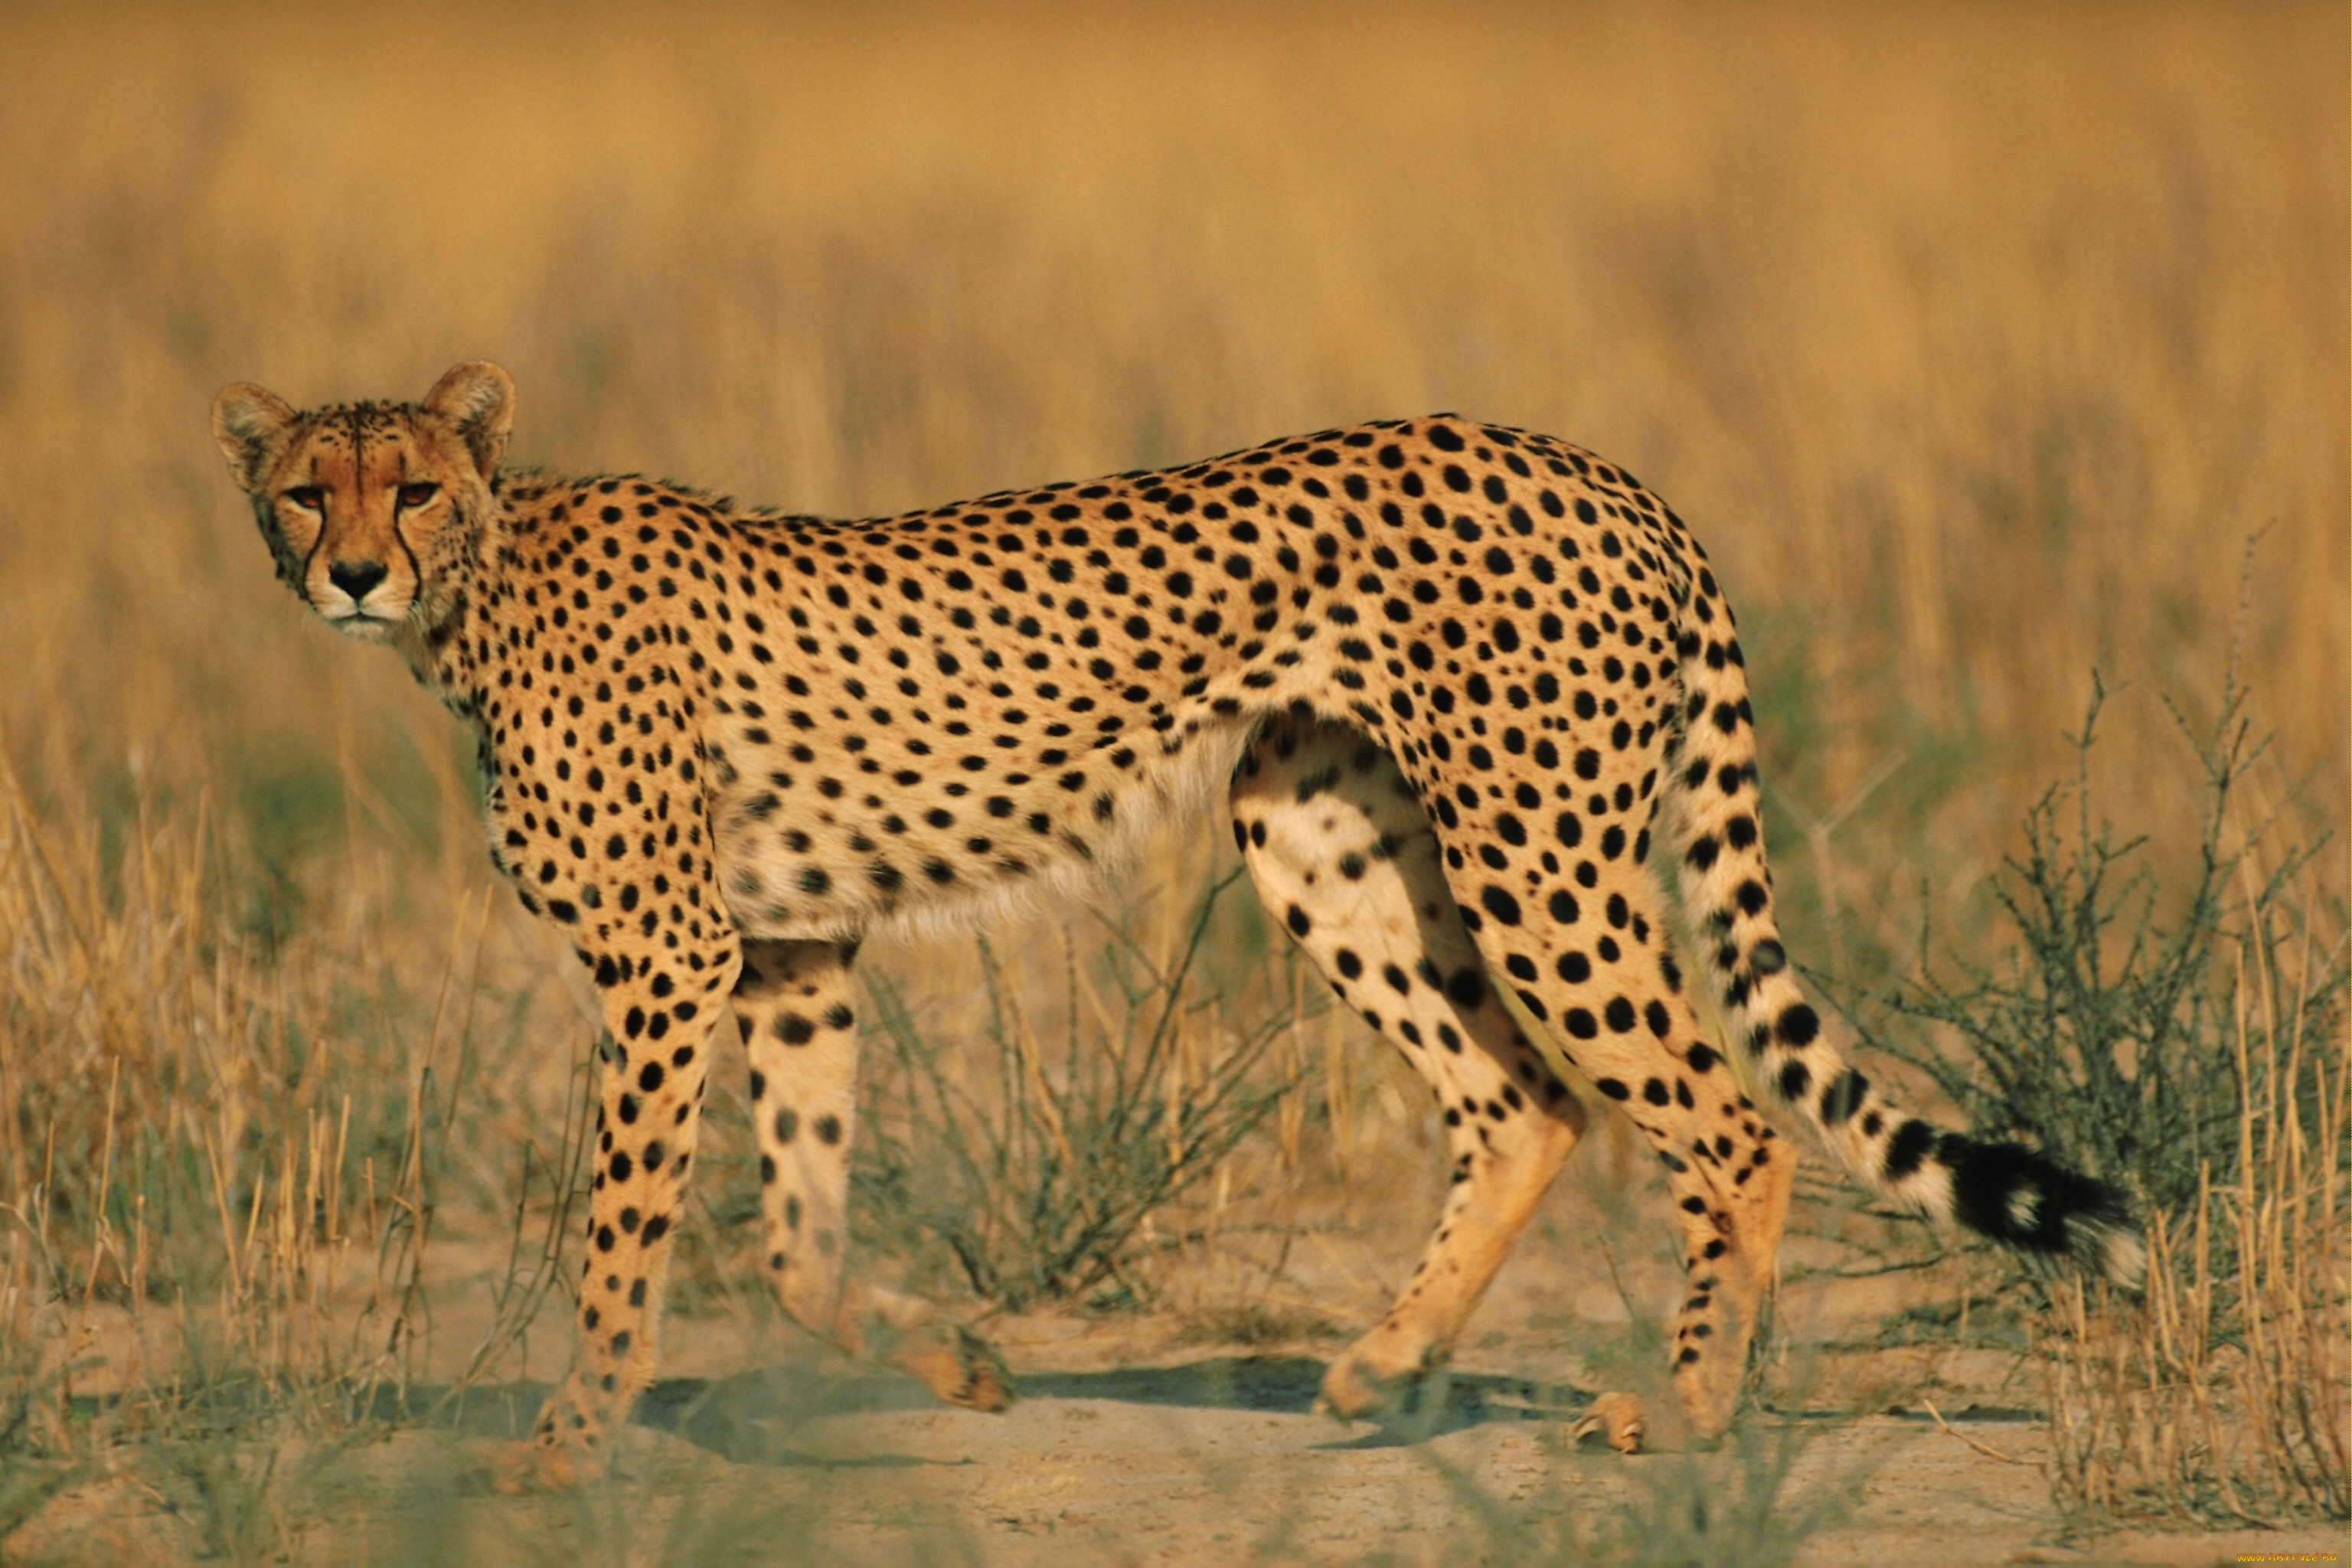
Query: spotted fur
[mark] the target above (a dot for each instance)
(1467, 682)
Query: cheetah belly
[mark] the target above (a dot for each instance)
(884, 859)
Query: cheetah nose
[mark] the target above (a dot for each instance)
(356, 577)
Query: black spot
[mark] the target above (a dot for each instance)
(1909, 1149)
(1843, 1096)
(1795, 1079)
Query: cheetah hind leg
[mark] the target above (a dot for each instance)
(1584, 941)
(1344, 858)
(794, 1005)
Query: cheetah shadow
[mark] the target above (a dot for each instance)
(1443, 1402)
(768, 1416)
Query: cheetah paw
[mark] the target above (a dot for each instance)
(960, 1368)
(1615, 1418)
(1353, 1390)
(521, 1469)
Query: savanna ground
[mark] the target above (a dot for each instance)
(1976, 341)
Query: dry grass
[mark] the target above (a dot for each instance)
(1974, 338)
(240, 1140)
(2224, 1396)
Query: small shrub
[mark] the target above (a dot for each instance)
(2106, 1036)
(1038, 1176)
(2184, 1037)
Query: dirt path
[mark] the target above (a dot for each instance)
(1221, 1459)
(1113, 1457)
(1141, 1439)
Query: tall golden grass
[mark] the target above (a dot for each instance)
(1974, 339)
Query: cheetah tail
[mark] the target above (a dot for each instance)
(2006, 1190)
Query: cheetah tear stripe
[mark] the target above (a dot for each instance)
(2004, 1190)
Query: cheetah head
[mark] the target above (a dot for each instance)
(371, 508)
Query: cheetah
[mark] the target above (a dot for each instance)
(1462, 682)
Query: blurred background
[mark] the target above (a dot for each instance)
(1976, 341)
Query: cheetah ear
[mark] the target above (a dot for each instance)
(478, 400)
(249, 422)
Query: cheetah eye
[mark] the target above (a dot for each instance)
(417, 495)
(309, 498)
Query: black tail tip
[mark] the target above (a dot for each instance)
(2024, 1199)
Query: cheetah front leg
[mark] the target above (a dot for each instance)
(642, 910)
(794, 1005)
(651, 1071)
(1343, 857)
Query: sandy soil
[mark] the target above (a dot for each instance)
(1135, 1443)
(1220, 1460)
